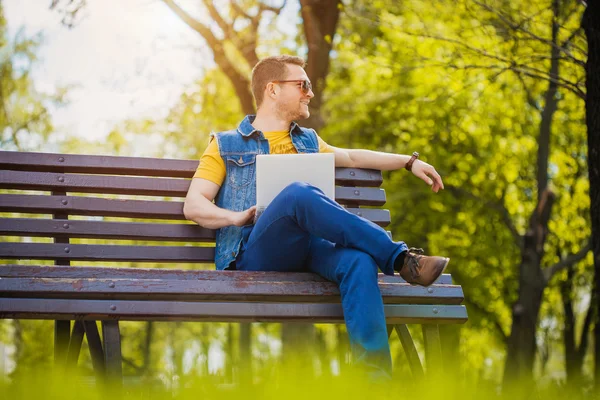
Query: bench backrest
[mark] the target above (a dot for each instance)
(98, 190)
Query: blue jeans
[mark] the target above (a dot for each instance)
(303, 230)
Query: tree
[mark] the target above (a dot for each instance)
(591, 25)
(483, 90)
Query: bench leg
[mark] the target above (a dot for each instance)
(411, 351)
(96, 351)
(61, 340)
(75, 343)
(433, 349)
(112, 352)
(390, 330)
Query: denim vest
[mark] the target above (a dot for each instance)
(238, 149)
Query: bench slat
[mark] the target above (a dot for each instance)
(16, 308)
(36, 271)
(105, 184)
(88, 252)
(142, 166)
(90, 206)
(217, 290)
(104, 230)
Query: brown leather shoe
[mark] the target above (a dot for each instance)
(420, 269)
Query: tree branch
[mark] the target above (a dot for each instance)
(227, 28)
(520, 28)
(566, 262)
(193, 23)
(240, 82)
(132, 364)
(245, 44)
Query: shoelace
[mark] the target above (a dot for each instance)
(414, 254)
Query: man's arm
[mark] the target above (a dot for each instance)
(352, 158)
(199, 207)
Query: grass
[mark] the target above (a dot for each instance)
(289, 384)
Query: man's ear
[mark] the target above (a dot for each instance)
(272, 89)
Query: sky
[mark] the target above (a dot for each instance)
(127, 59)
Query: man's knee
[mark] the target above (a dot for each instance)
(299, 191)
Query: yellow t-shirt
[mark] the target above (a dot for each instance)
(212, 166)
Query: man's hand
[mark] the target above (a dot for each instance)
(426, 172)
(241, 218)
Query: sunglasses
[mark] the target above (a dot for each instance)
(305, 85)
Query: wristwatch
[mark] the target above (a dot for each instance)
(410, 162)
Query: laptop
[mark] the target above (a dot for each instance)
(276, 171)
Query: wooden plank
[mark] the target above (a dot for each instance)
(90, 164)
(76, 205)
(216, 290)
(88, 252)
(25, 271)
(112, 352)
(410, 350)
(170, 187)
(142, 166)
(358, 177)
(35, 227)
(12, 308)
(360, 196)
(49, 181)
(64, 229)
(90, 206)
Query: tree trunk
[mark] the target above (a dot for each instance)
(147, 351)
(574, 354)
(229, 354)
(521, 347)
(298, 346)
(245, 362)
(550, 107)
(569, 329)
(591, 25)
(320, 18)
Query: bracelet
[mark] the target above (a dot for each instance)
(410, 162)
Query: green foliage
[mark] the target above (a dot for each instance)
(25, 120)
(459, 83)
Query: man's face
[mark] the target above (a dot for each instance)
(291, 102)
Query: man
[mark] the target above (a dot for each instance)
(302, 229)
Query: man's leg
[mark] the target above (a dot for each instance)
(355, 272)
(301, 210)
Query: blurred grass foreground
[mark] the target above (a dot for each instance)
(289, 382)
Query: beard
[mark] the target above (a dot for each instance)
(292, 114)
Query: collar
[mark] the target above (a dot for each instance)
(246, 129)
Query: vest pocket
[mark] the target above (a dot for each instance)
(240, 169)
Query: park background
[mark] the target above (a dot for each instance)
(491, 92)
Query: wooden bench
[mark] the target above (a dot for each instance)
(61, 186)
